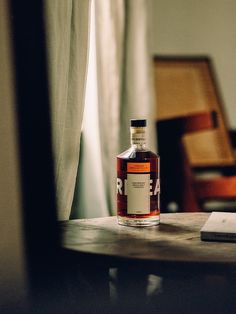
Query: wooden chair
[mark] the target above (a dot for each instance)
(193, 137)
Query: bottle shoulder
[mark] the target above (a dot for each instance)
(133, 153)
(126, 153)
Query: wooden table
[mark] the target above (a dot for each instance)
(175, 240)
(172, 250)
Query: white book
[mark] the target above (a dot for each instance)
(220, 226)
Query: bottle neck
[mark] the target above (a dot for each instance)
(138, 137)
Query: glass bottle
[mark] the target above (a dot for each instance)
(138, 184)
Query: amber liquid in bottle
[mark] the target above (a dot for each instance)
(138, 187)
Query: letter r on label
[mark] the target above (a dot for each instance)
(119, 186)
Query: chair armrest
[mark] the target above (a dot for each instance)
(188, 124)
(226, 169)
(223, 187)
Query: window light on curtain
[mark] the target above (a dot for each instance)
(90, 196)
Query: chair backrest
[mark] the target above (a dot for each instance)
(187, 85)
(192, 132)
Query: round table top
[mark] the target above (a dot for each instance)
(176, 239)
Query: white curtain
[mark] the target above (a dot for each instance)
(67, 42)
(124, 90)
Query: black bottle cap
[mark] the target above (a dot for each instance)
(138, 123)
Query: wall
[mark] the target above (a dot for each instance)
(200, 27)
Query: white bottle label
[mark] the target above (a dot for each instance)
(138, 135)
(138, 193)
(138, 138)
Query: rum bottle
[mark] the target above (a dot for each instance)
(138, 184)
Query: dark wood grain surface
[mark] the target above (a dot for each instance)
(176, 239)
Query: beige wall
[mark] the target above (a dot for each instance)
(200, 27)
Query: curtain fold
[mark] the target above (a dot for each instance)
(137, 92)
(110, 28)
(90, 199)
(67, 28)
